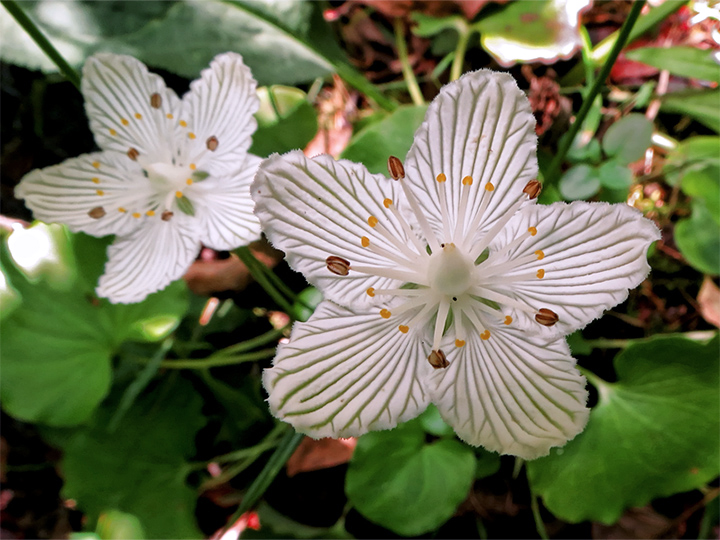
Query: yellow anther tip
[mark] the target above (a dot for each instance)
(508, 320)
(540, 273)
(178, 194)
(122, 210)
(404, 329)
(372, 221)
(387, 203)
(138, 116)
(364, 241)
(193, 166)
(489, 187)
(441, 178)
(191, 135)
(485, 335)
(169, 116)
(183, 123)
(467, 181)
(371, 292)
(95, 180)
(124, 121)
(189, 181)
(96, 164)
(540, 254)
(150, 213)
(459, 343)
(136, 215)
(532, 231)
(112, 132)
(385, 314)
(100, 192)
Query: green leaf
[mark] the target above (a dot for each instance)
(397, 480)
(286, 120)
(704, 185)
(654, 433)
(57, 345)
(693, 153)
(579, 182)
(701, 105)
(698, 238)
(308, 297)
(488, 463)
(432, 423)
(427, 26)
(139, 468)
(683, 61)
(628, 138)
(185, 205)
(392, 136)
(614, 175)
(118, 525)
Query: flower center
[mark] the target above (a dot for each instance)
(449, 271)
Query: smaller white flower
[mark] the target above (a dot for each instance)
(447, 284)
(172, 174)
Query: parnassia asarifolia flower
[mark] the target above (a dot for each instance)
(446, 283)
(172, 175)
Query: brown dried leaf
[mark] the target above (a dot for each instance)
(637, 523)
(709, 300)
(313, 455)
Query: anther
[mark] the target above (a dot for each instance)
(459, 343)
(372, 221)
(97, 212)
(155, 100)
(489, 187)
(395, 168)
(385, 314)
(508, 320)
(364, 241)
(532, 231)
(404, 329)
(124, 121)
(371, 292)
(441, 178)
(166, 215)
(121, 210)
(212, 143)
(96, 164)
(540, 273)
(437, 359)
(546, 317)
(169, 116)
(182, 123)
(150, 213)
(136, 215)
(387, 203)
(189, 181)
(112, 132)
(540, 255)
(95, 180)
(133, 154)
(485, 335)
(532, 189)
(193, 166)
(100, 192)
(338, 266)
(467, 181)
(191, 135)
(178, 194)
(138, 116)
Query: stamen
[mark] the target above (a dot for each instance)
(467, 181)
(395, 168)
(100, 192)
(532, 189)
(444, 214)
(212, 143)
(150, 213)
(96, 164)
(484, 202)
(508, 320)
(462, 209)
(97, 212)
(182, 123)
(133, 154)
(385, 314)
(404, 329)
(459, 343)
(410, 257)
(95, 180)
(169, 116)
(492, 233)
(438, 360)
(500, 298)
(420, 216)
(166, 215)
(178, 194)
(155, 100)
(399, 292)
(193, 166)
(387, 203)
(441, 178)
(122, 210)
(138, 116)
(189, 181)
(546, 317)
(112, 132)
(370, 292)
(442, 314)
(485, 335)
(489, 187)
(406, 276)
(405, 226)
(532, 231)
(540, 255)
(372, 221)
(364, 241)
(191, 135)
(124, 121)
(136, 215)
(339, 266)
(540, 273)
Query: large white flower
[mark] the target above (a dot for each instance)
(447, 284)
(172, 174)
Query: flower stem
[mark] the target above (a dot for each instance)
(407, 70)
(696, 335)
(39, 38)
(262, 339)
(216, 360)
(464, 33)
(554, 168)
(539, 523)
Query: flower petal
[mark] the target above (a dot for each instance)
(479, 126)
(593, 253)
(316, 208)
(342, 374)
(73, 191)
(511, 394)
(130, 108)
(225, 208)
(149, 259)
(219, 108)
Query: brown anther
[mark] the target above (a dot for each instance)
(166, 215)
(546, 317)
(155, 100)
(338, 265)
(437, 359)
(133, 154)
(395, 168)
(212, 143)
(97, 212)
(533, 189)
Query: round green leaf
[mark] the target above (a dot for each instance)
(704, 185)
(433, 423)
(654, 433)
(628, 138)
(392, 136)
(698, 238)
(579, 182)
(701, 105)
(397, 480)
(614, 175)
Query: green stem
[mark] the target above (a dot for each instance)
(407, 70)
(39, 38)
(696, 335)
(262, 339)
(270, 441)
(554, 169)
(596, 381)
(539, 523)
(219, 360)
(254, 267)
(464, 33)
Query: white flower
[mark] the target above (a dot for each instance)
(172, 174)
(448, 285)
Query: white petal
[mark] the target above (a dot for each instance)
(220, 104)
(479, 126)
(225, 208)
(119, 102)
(593, 254)
(315, 208)
(68, 192)
(512, 394)
(342, 375)
(149, 259)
